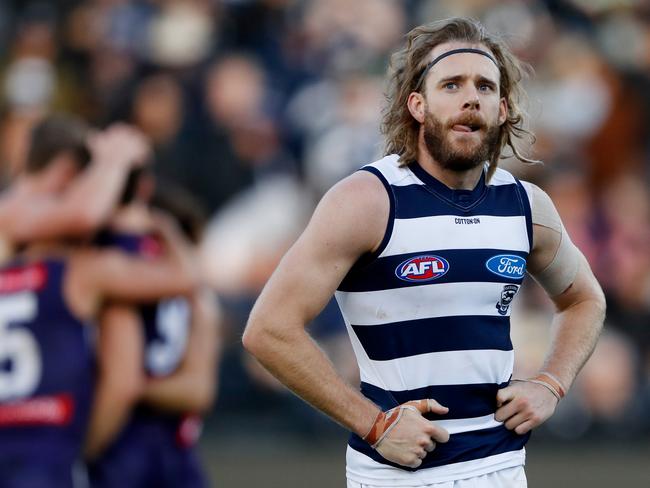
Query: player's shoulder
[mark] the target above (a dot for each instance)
(358, 205)
(371, 183)
(6, 243)
(358, 187)
(539, 199)
(16, 208)
(543, 210)
(391, 171)
(535, 193)
(503, 177)
(361, 194)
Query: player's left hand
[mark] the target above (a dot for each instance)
(522, 406)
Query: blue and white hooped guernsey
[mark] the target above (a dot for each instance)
(429, 317)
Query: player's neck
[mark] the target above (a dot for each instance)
(456, 180)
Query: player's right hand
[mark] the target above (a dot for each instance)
(413, 436)
(177, 245)
(120, 144)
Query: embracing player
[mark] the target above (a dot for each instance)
(49, 293)
(45, 202)
(160, 359)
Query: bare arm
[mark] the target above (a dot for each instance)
(100, 274)
(276, 334)
(90, 198)
(191, 388)
(349, 221)
(580, 306)
(577, 322)
(120, 377)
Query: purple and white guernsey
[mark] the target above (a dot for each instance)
(155, 448)
(46, 377)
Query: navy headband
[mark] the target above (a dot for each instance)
(449, 53)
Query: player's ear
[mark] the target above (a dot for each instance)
(503, 110)
(417, 105)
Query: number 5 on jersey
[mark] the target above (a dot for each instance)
(20, 362)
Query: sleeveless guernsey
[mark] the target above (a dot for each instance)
(46, 376)
(155, 448)
(428, 315)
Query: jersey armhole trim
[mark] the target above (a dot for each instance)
(525, 203)
(371, 256)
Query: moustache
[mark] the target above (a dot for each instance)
(474, 122)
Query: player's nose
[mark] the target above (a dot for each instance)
(470, 98)
(472, 103)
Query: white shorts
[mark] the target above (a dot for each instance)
(504, 478)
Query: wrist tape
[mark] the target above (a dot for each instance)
(550, 382)
(385, 421)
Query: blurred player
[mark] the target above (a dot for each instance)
(49, 293)
(174, 344)
(426, 249)
(44, 202)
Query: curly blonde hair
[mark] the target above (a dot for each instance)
(407, 65)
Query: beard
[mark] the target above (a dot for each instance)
(459, 157)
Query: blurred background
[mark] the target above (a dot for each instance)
(258, 106)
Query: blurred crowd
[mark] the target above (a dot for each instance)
(258, 106)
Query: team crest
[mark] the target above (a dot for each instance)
(422, 268)
(507, 295)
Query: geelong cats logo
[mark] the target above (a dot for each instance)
(507, 295)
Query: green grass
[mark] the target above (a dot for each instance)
(284, 462)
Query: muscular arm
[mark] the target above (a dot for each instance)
(349, 221)
(120, 376)
(96, 275)
(580, 304)
(89, 199)
(191, 388)
(577, 322)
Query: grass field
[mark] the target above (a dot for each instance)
(266, 462)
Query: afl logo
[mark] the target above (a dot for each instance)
(422, 268)
(507, 266)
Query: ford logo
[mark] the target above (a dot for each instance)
(507, 266)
